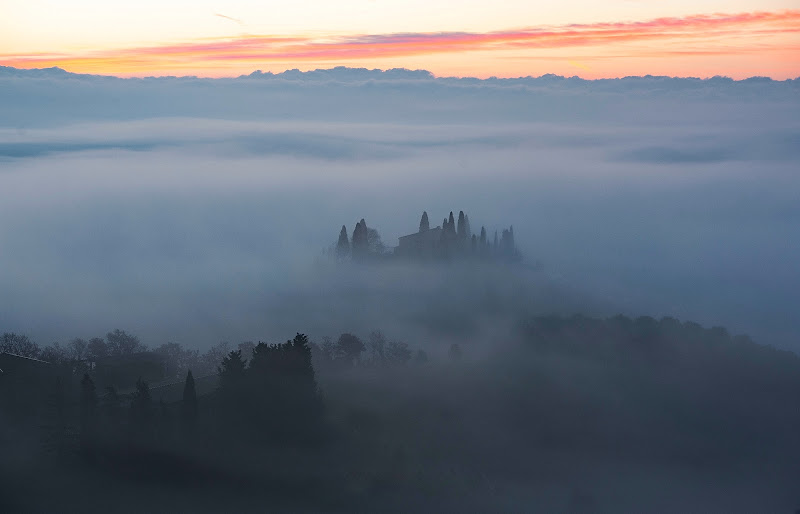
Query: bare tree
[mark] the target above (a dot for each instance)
(122, 343)
(377, 348)
(19, 345)
(78, 349)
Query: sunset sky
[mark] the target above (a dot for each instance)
(508, 38)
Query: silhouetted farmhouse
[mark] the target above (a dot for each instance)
(452, 240)
(425, 243)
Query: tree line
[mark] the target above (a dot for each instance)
(269, 396)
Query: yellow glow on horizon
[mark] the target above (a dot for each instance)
(733, 44)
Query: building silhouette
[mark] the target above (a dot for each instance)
(449, 241)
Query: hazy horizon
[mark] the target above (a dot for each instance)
(296, 72)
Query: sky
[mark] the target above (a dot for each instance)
(477, 38)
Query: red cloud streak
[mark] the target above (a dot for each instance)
(710, 29)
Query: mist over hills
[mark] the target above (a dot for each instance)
(652, 195)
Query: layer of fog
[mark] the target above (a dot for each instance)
(196, 210)
(210, 229)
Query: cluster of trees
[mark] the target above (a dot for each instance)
(108, 425)
(349, 350)
(660, 394)
(646, 340)
(366, 243)
(452, 239)
(115, 343)
(272, 393)
(82, 355)
(263, 389)
(459, 240)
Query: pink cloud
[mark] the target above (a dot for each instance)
(705, 30)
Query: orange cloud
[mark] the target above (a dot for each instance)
(708, 34)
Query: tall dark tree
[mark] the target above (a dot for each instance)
(424, 225)
(231, 371)
(189, 405)
(461, 231)
(451, 223)
(343, 245)
(360, 246)
(483, 237)
(507, 247)
(282, 396)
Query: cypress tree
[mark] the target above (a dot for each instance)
(461, 231)
(189, 405)
(343, 245)
(424, 225)
(360, 245)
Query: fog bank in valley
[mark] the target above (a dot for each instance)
(196, 210)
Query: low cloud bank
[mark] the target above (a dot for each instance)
(194, 209)
(30, 98)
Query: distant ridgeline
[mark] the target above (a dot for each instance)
(446, 242)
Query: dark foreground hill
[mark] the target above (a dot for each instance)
(558, 414)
